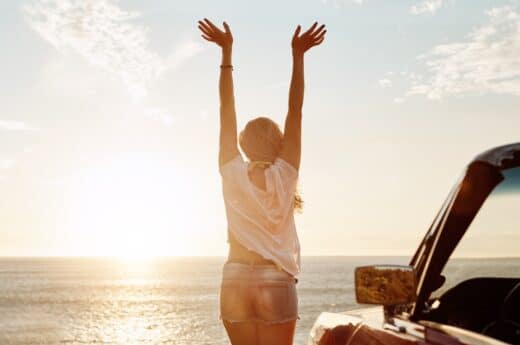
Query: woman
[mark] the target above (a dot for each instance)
(258, 301)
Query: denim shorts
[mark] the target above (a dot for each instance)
(257, 293)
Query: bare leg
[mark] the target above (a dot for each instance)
(242, 333)
(276, 333)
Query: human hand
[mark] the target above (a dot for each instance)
(212, 33)
(310, 38)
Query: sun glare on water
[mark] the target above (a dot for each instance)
(131, 208)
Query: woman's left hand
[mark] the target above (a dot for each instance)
(210, 32)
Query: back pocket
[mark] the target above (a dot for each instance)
(272, 303)
(233, 302)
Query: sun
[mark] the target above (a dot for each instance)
(131, 207)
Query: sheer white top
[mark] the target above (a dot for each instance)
(263, 220)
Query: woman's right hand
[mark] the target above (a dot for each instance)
(212, 33)
(310, 38)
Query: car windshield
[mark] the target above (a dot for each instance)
(490, 246)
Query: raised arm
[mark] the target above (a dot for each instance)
(228, 123)
(291, 149)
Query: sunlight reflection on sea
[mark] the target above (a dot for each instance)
(164, 301)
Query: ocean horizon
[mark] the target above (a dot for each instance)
(168, 300)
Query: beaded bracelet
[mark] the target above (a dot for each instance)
(227, 66)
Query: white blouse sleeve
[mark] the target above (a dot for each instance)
(287, 172)
(285, 178)
(233, 168)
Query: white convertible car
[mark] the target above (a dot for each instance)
(432, 300)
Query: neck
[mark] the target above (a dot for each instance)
(259, 164)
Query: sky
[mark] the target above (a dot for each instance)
(109, 118)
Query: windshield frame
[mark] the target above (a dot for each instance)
(482, 175)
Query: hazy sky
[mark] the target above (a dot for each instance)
(109, 118)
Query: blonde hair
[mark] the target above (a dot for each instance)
(261, 140)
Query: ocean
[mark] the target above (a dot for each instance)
(163, 301)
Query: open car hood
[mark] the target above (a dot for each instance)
(481, 176)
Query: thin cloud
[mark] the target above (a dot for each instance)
(487, 62)
(427, 6)
(106, 36)
(16, 126)
(183, 52)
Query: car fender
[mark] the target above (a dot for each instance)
(360, 327)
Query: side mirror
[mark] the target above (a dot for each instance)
(385, 285)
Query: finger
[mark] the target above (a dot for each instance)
(297, 31)
(311, 28)
(320, 36)
(318, 42)
(212, 25)
(226, 28)
(205, 31)
(318, 30)
(205, 26)
(207, 38)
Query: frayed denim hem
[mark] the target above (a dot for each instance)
(266, 322)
